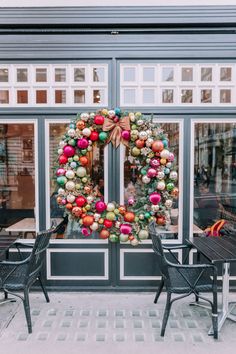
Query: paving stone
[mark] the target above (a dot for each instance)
(52, 312)
(22, 337)
(173, 324)
(81, 337)
(35, 312)
(136, 313)
(178, 337)
(62, 337)
(152, 313)
(156, 324)
(119, 324)
(100, 338)
(139, 337)
(198, 338)
(119, 337)
(83, 324)
(192, 324)
(138, 324)
(42, 336)
(119, 313)
(85, 313)
(101, 324)
(158, 338)
(102, 313)
(47, 324)
(69, 313)
(66, 324)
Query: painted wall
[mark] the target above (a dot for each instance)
(46, 3)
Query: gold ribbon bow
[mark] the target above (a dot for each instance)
(116, 130)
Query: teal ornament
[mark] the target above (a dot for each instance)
(143, 171)
(72, 126)
(165, 143)
(170, 186)
(147, 215)
(166, 171)
(102, 136)
(83, 152)
(72, 142)
(117, 111)
(113, 238)
(61, 180)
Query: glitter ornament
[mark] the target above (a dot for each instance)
(81, 171)
(173, 175)
(70, 185)
(161, 185)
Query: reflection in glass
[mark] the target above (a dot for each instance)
(206, 96)
(148, 74)
(129, 96)
(167, 74)
(167, 96)
(71, 229)
(187, 74)
(206, 74)
(98, 74)
(41, 74)
(187, 96)
(60, 74)
(225, 96)
(79, 74)
(3, 75)
(133, 187)
(4, 96)
(129, 74)
(225, 74)
(22, 96)
(41, 96)
(22, 75)
(60, 96)
(148, 96)
(79, 96)
(215, 174)
(98, 96)
(17, 175)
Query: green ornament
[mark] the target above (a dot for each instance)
(134, 126)
(76, 158)
(72, 142)
(170, 186)
(61, 180)
(143, 171)
(78, 186)
(110, 216)
(102, 136)
(113, 238)
(84, 152)
(147, 215)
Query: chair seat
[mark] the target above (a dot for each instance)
(16, 280)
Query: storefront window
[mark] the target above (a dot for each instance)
(71, 228)
(214, 175)
(17, 176)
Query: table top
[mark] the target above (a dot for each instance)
(27, 225)
(217, 249)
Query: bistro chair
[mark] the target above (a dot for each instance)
(20, 275)
(184, 280)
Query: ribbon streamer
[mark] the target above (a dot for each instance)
(116, 130)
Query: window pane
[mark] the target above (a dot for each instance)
(79, 74)
(22, 96)
(214, 174)
(22, 75)
(129, 74)
(17, 175)
(41, 75)
(187, 74)
(98, 96)
(60, 96)
(3, 75)
(187, 96)
(98, 74)
(225, 74)
(167, 96)
(4, 96)
(206, 74)
(148, 96)
(60, 75)
(79, 96)
(148, 74)
(167, 74)
(41, 96)
(134, 187)
(225, 96)
(206, 96)
(129, 96)
(95, 168)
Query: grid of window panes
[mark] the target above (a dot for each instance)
(54, 85)
(182, 84)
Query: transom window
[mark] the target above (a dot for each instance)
(165, 84)
(53, 85)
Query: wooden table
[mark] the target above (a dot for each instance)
(219, 250)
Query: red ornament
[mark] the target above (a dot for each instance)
(108, 223)
(157, 146)
(140, 143)
(94, 136)
(88, 220)
(83, 160)
(104, 234)
(160, 220)
(80, 201)
(69, 206)
(63, 159)
(129, 216)
(99, 120)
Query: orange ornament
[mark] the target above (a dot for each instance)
(160, 220)
(104, 234)
(69, 206)
(129, 216)
(122, 209)
(175, 192)
(140, 143)
(80, 124)
(157, 146)
(83, 160)
(76, 211)
(88, 220)
(163, 161)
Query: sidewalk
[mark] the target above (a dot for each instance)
(87, 323)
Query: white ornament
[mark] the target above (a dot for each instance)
(155, 208)
(81, 171)
(143, 135)
(62, 144)
(169, 164)
(146, 179)
(110, 207)
(86, 132)
(70, 186)
(97, 216)
(124, 238)
(132, 117)
(139, 122)
(92, 115)
(70, 198)
(84, 117)
(71, 132)
(70, 174)
(160, 175)
(149, 132)
(165, 154)
(94, 226)
(89, 148)
(168, 203)
(134, 242)
(143, 234)
(173, 175)
(90, 199)
(61, 191)
(149, 142)
(111, 113)
(60, 151)
(161, 185)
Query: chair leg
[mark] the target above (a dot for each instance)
(215, 315)
(166, 314)
(159, 290)
(43, 288)
(27, 309)
(196, 297)
(5, 295)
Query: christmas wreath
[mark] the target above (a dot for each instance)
(148, 147)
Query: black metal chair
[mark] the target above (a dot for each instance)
(184, 280)
(20, 275)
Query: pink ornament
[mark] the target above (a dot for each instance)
(131, 201)
(100, 206)
(125, 134)
(171, 157)
(151, 173)
(116, 119)
(86, 232)
(155, 162)
(125, 229)
(82, 143)
(61, 172)
(155, 198)
(63, 202)
(69, 150)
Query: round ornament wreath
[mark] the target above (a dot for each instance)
(147, 145)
